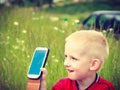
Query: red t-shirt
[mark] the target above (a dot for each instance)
(98, 84)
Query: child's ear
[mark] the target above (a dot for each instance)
(95, 64)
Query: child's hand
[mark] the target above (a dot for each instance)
(43, 85)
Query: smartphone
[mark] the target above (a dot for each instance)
(38, 61)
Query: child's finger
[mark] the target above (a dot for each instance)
(44, 73)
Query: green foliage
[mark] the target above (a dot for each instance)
(81, 7)
(23, 29)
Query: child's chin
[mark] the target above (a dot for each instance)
(72, 78)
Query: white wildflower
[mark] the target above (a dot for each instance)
(23, 49)
(56, 28)
(62, 31)
(104, 31)
(111, 29)
(4, 59)
(8, 37)
(56, 60)
(20, 41)
(28, 56)
(17, 40)
(35, 18)
(16, 23)
(77, 21)
(54, 18)
(15, 47)
(24, 31)
(53, 56)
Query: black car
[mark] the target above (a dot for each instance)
(103, 20)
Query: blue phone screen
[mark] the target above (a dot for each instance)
(37, 61)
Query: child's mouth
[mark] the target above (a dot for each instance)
(70, 71)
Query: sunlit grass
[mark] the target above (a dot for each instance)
(24, 29)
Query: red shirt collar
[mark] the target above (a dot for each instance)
(96, 80)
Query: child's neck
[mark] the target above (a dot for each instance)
(85, 83)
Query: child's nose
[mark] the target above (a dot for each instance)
(67, 62)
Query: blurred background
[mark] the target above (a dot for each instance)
(27, 24)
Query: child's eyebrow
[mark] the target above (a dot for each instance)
(65, 55)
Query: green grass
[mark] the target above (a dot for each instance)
(23, 29)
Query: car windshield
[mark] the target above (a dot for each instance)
(90, 21)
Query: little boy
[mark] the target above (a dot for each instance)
(85, 53)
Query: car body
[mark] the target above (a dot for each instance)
(103, 20)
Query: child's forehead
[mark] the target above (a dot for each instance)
(75, 41)
(75, 49)
(74, 46)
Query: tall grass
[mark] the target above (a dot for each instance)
(23, 29)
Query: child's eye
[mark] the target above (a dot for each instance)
(73, 58)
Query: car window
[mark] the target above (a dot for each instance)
(117, 25)
(106, 21)
(117, 17)
(90, 22)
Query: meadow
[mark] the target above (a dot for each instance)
(22, 29)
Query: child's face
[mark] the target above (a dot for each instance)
(76, 64)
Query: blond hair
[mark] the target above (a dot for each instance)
(92, 43)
